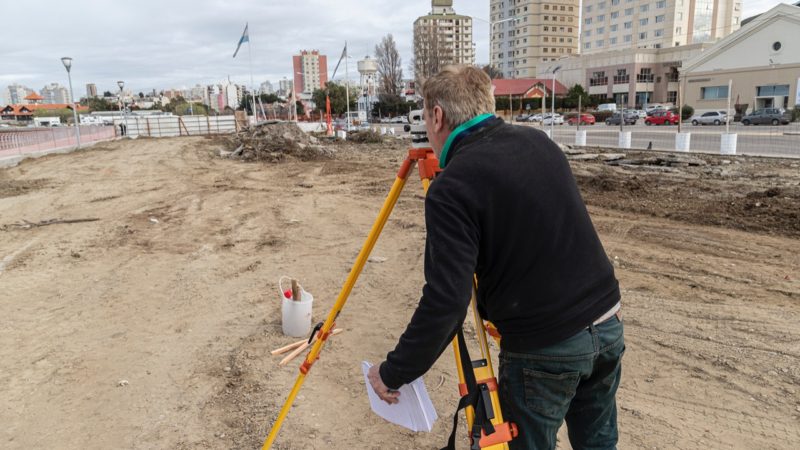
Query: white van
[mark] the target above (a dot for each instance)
(607, 107)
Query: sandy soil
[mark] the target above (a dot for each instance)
(152, 326)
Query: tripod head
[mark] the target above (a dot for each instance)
(416, 127)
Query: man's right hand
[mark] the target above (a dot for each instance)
(385, 394)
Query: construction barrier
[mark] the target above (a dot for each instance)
(21, 141)
(171, 126)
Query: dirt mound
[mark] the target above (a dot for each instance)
(274, 142)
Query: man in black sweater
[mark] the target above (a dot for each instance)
(506, 207)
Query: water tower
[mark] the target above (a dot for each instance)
(368, 68)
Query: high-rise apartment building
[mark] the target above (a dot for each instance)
(55, 93)
(440, 38)
(15, 94)
(527, 34)
(622, 24)
(310, 71)
(91, 90)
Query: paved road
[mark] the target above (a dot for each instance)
(763, 140)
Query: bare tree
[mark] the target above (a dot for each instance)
(390, 68)
(492, 71)
(429, 54)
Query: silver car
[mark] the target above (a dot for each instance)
(710, 118)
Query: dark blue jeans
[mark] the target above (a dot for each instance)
(576, 380)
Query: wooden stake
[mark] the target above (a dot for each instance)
(302, 347)
(286, 348)
(295, 290)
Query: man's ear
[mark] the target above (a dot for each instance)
(438, 118)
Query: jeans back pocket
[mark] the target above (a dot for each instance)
(549, 394)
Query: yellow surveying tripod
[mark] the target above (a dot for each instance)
(478, 386)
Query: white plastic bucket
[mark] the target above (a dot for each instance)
(296, 315)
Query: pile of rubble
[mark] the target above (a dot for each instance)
(274, 141)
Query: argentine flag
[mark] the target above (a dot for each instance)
(245, 38)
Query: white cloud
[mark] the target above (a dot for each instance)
(174, 43)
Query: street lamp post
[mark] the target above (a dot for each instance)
(491, 34)
(553, 101)
(122, 107)
(67, 61)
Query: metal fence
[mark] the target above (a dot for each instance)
(21, 141)
(169, 126)
(761, 140)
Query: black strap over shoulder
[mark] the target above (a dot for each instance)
(477, 396)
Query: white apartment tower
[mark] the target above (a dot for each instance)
(55, 93)
(620, 24)
(441, 38)
(526, 34)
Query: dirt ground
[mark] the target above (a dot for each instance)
(152, 326)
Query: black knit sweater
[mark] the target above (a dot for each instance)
(506, 208)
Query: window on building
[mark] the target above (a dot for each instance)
(546, 7)
(643, 35)
(546, 39)
(546, 28)
(569, 30)
(660, 18)
(678, 31)
(587, 45)
(656, 45)
(587, 21)
(601, 17)
(772, 91)
(612, 41)
(588, 8)
(661, 4)
(713, 92)
(560, 39)
(545, 18)
(628, 25)
(569, 50)
(601, 30)
(545, 50)
(629, 12)
(563, 8)
(626, 38)
(612, 28)
(587, 33)
(644, 8)
(614, 2)
(658, 33)
(601, 5)
(570, 9)
(679, 16)
(598, 43)
(614, 15)
(672, 97)
(643, 22)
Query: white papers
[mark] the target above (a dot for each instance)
(414, 409)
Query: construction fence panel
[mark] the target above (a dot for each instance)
(171, 126)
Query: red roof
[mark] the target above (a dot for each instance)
(34, 96)
(521, 86)
(17, 110)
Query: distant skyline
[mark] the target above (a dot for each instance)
(178, 43)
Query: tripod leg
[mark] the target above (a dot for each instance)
(361, 260)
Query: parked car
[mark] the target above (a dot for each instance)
(767, 116)
(555, 119)
(653, 108)
(709, 118)
(535, 118)
(616, 118)
(607, 107)
(521, 117)
(641, 113)
(399, 119)
(662, 117)
(585, 119)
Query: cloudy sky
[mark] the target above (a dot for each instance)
(165, 44)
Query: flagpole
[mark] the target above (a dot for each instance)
(347, 85)
(252, 84)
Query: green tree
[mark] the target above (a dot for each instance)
(577, 92)
(65, 114)
(301, 110)
(492, 71)
(99, 104)
(338, 98)
(392, 105)
(265, 100)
